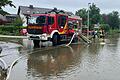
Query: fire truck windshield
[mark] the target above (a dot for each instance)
(41, 20)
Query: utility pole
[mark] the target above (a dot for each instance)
(88, 20)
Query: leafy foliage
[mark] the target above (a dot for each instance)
(107, 21)
(106, 27)
(113, 20)
(83, 14)
(3, 12)
(94, 15)
(17, 22)
(12, 28)
(4, 3)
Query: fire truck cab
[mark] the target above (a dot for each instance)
(51, 26)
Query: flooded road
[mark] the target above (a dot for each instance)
(75, 62)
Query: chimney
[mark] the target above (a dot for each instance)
(31, 6)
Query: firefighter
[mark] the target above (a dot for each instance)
(95, 33)
(102, 34)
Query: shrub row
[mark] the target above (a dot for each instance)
(10, 30)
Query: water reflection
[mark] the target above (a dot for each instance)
(64, 61)
(76, 62)
(53, 62)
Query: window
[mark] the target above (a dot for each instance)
(32, 20)
(37, 20)
(41, 20)
(61, 21)
(50, 20)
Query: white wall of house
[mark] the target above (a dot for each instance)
(24, 19)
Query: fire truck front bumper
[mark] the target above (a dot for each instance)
(42, 37)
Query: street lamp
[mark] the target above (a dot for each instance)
(88, 20)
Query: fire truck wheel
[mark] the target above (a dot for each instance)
(36, 43)
(55, 39)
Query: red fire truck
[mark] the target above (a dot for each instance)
(55, 26)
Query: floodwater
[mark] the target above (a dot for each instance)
(76, 62)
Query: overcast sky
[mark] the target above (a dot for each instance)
(105, 6)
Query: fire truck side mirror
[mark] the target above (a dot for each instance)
(28, 17)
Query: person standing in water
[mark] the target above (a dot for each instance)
(102, 34)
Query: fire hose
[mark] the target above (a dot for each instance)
(71, 39)
(79, 35)
(16, 60)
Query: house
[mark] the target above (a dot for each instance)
(24, 11)
(11, 17)
(7, 18)
(3, 19)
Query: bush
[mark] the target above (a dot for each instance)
(10, 29)
(106, 27)
(17, 22)
(113, 31)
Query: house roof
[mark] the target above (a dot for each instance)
(11, 15)
(31, 10)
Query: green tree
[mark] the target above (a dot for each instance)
(4, 3)
(94, 14)
(3, 12)
(105, 18)
(83, 14)
(17, 22)
(106, 27)
(113, 20)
